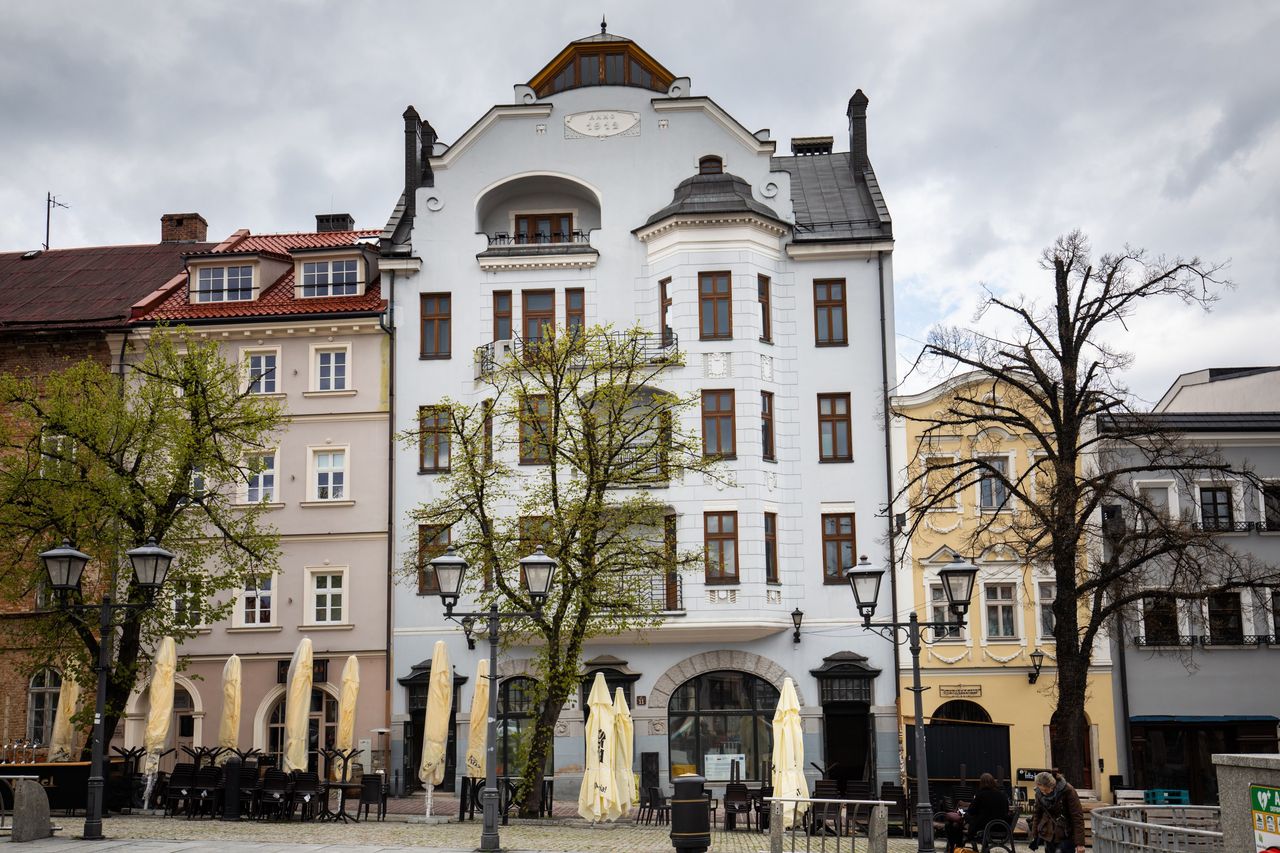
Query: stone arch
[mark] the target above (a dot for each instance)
(697, 664)
(263, 712)
(507, 668)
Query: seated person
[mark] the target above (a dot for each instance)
(989, 804)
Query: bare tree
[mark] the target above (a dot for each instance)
(1055, 383)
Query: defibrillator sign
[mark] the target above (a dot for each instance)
(1264, 805)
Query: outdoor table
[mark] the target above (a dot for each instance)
(199, 753)
(469, 797)
(342, 757)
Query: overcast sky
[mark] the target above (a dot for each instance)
(993, 126)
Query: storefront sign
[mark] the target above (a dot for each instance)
(961, 691)
(1264, 807)
(720, 767)
(1029, 774)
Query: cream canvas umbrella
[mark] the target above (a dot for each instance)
(788, 754)
(297, 708)
(62, 741)
(229, 725)
(623, 753)
(347, 696)
(435, 731)
(160, 697)
(478, 728)
(597, 792)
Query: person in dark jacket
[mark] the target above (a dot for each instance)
(988, 804)
(1057, 820)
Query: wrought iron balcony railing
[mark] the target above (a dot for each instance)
(1225, 526)
(652, 348)
(1206, 640)
(664, 594)
(554, 238)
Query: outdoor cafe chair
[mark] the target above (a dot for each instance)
(997, 835)
(370, 795)
(206, 794)
(178, 788)
(306, 794)
(737, 801)
(659, 807)
(274, 795)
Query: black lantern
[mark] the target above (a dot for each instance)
(538, 570)
(864, 580)
(450, 571)
(797, 616)
(150, 565)
(957, 582)
(1037, 661)
(469, 631)
(64, 565)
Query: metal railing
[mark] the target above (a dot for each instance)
(1157, 829)
(555, 238)
(651, 348)
(1206, 640)
(829, 825)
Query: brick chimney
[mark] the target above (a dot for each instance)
(183, 228)
(857, 113)
(335, 222)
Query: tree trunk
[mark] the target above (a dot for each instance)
(539, 748)
(1069, 732)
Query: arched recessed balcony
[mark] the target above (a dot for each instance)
(538, 220)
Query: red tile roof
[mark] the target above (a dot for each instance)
(277, 298)
(89, 288)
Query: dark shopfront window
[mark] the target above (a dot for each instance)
(717, 716)
(516, 712)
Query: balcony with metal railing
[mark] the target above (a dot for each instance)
(651, 348)
(542, 250)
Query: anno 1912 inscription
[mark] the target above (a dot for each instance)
(601, 124)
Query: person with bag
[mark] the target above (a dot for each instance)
(988, 804)
(1057, 820)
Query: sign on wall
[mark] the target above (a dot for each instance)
(961, 691)
(720, 767)
(601, 124)
(1264, 808)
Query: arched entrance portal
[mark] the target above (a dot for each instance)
(322, 728)
(721, 719)
(846, 689)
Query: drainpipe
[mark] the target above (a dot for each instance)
(1126, 743)
(389, 327)
(888, 479)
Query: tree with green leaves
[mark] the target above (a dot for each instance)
(107, 462)
(570, 447)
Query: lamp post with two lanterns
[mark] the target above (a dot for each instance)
(536, 573)
(957, 583)
(64, 566)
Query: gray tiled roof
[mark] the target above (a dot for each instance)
(1196, 421)
(720, 193)
(831, 203)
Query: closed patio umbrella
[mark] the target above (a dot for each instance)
(160, 697)
(297, 708)
(596, 797)
(62, 741)
(347, 697)
(788, 754)
(229, 725)
(435, 730)
(623, 753)
(478, 728)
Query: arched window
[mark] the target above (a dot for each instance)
(720, 719)
(710, 165)
(42, 704)
(322, 729)
(962, 710)
(516, 712)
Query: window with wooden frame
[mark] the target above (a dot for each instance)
(715, 306)
(436, 337)
(664, 308)
(1226, 619)
(575, 310)
(1160, 620)
(602, 65)
(710, 165)
(835, 428)
(839, 545)
(718, 424)
(433, 439)
(502, 315)
(720, 533)
(538, 320)
(1215, 508)
(830, 323)
(433, 540)
(534, 228)
(766, 426)
(535, 430)
(771, 547)
(766, 312)
(670, 558)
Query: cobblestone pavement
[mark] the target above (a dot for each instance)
(176, 835)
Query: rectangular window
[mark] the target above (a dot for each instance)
(839, 545)
(327, 590)
(940, 611)
(664, 311)
(829, 321)
(260, 365)
(1275, 614)
(433, 439)
(436, 339)
(1001, 617)
(1160, 620)
(1048, 597)
(835, 427)
(329, 278)
(544, 228)
(1271, 507)
(261, 487)
(771, 547)
(718, 424)
(432, 542)
(331, 369)
(992, 492)
(766, 315)
(766, 425)
(720, 533)
(255, 601)
(330, 474)
(715, 306)
(187, 600)
(1226, 622)
(575, 310)
(1215, 508)
(1156, 500)
(535, 530)
(502, 315)
(539, 319)
(535, 430)
(224, 284)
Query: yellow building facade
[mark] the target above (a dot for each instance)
(986, 706)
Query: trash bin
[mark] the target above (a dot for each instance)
(690, 815)
(231, 789)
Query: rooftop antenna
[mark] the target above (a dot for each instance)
(603, 25)
(50, 202)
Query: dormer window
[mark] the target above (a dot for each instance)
(330, 278)
(710, 165)
(603, 60)
(224, 284)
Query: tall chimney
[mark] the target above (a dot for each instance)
(335, 222)
(857, 112)
(412, 160)
(183, 228)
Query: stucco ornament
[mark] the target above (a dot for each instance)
(766, 368)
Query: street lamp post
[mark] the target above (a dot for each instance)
(64, 566)
(536, 573)
(957, 582)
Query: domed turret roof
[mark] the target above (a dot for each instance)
(715, 193)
